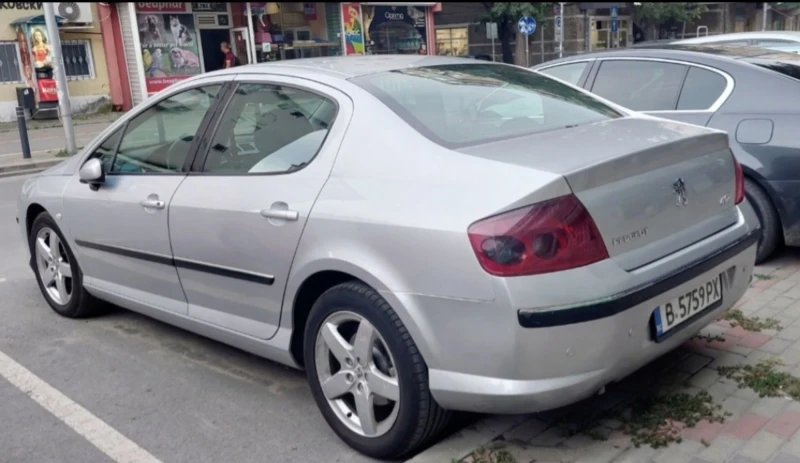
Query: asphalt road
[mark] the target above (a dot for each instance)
(178, 396)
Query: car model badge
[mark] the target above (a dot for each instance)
(680, 189)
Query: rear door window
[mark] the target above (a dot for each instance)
(640, 85)
(701, 89)
(570, 73)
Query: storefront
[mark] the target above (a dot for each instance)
(26, 59)
(166, 42)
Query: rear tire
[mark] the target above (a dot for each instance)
(352, 310)
(771, 231)
(57, 271)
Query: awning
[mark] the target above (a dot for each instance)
(36, 19)
(399, 3)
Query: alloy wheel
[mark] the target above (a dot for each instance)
(357, 374)
(53, 266)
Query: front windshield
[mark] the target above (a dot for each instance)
(466, 104)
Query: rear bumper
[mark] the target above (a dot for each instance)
(556, 359)
(632, 298)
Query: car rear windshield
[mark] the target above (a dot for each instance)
(788, 69)
(460, 105)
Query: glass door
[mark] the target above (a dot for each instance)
(240, 43)
(603, 38)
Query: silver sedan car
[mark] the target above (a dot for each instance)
(420, 234)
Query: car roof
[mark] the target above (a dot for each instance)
(694, 53)
(764, 35)
(347, 67)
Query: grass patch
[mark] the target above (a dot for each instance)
(761, 276)
(63, 153)
(753, 324)
(764, 379)
(492, 454)
(709, 338)
(658, 420)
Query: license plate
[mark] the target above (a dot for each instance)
(672, 313)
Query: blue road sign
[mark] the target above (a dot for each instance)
(558, 21)
(614, 18)
(527, 25)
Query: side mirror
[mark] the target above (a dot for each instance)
(92, 173)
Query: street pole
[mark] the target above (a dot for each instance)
(764, 17)
(527, 54)
(58, 73)
(561, 31)
(493, 32)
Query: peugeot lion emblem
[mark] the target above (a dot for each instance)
(680, 190)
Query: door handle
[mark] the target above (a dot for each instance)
(280, 214)
(152, 204)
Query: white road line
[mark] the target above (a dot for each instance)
(107, 439)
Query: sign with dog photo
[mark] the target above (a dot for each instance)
(170, 48)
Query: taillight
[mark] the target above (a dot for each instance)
(739, 196)
(557, 234)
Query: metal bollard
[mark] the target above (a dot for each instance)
(23, 133)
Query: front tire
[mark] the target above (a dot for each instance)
(367, 375)
(771, 231)
(57, 272)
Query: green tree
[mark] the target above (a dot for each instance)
(651, 15)
(506, 15)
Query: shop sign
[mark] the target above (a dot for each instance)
(217, 7)
(47, 90)
(310, 11)
(161, 7)
(169, 48)
(409, 19)
(30, 6)
(353, 30)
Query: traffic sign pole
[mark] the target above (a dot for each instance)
(527, 26)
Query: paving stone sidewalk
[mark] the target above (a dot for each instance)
(758, 430)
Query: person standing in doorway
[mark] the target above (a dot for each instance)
(230, 59)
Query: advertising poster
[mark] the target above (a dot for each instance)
(170, 49)
(395, 29)
(42, 56)
(25, 56)
(353, 30)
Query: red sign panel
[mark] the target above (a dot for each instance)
(156, 7)
(156, 84)
(47, 90)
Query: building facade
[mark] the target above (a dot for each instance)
(587, 27)
(165, 42)
(25, 57)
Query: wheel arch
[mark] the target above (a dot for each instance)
(761, 182)
(31, 212)
(316, 278)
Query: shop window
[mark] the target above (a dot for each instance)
(452, 42)
(270, 129)
(77, 56)
(9, 63)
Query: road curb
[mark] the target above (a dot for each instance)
(464, 442)
(29, 167)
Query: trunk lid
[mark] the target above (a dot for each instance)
(652, 186)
